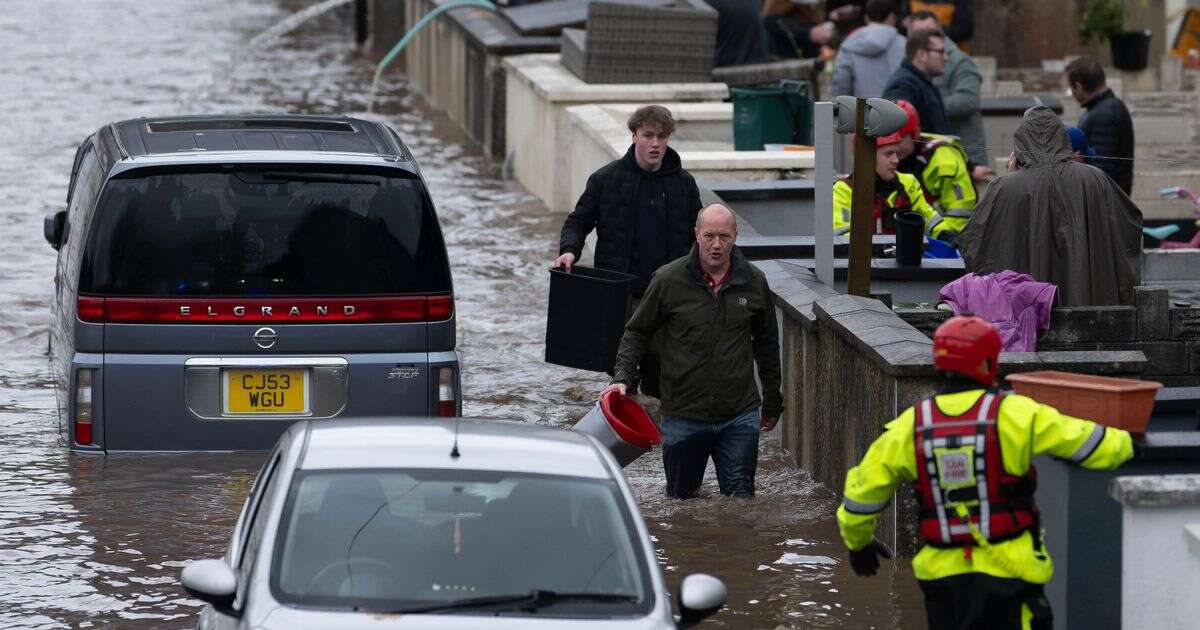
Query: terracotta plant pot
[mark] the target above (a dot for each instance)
(1117, 402)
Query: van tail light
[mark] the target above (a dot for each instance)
(83, 406)
(91, 309)
(258, 310)
(447, 407)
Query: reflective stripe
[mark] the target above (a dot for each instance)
(1089, 445)
(981, 472)
(841, 231)
(931, 467)
(959, 213)
(932, 223)
(963, 423)
(855, 507)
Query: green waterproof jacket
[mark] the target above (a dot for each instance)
(708, 343)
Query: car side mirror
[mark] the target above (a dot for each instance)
(54, 226)
(212, 582)
(700, 596)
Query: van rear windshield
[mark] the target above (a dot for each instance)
(264, 232)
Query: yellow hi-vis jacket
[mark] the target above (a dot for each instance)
(947, 180)
(1026, 428)
(842, 194)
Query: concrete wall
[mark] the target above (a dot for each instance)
(1160, 553)
(1021, 33)
(540, 139)
(595, 134)
(851, 365)
(455, 61)
(453, 72)
(1168, 336)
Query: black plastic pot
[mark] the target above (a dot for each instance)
(586, 317)
(910, 238)
(1130, 50)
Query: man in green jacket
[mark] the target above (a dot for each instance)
(713, 319)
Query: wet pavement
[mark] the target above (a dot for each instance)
(96, 542)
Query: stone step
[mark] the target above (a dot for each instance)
(1164, 209)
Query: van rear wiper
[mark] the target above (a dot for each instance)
(530, 601)
(317, 177)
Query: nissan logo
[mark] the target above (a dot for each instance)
(265, 338)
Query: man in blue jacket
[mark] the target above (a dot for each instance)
(925, 54)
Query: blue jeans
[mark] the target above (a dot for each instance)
(732, 444)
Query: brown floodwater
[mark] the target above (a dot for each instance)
(97, 542)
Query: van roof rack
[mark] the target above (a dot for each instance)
(257, 132)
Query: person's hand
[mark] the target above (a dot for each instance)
(948, 237)
(982, 173)
(617, 387)
(821, 33)
(566, 260)
(768, 423)
(845, 13)
(865, 561)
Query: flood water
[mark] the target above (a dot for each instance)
(97, 542)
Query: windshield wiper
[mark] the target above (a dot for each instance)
(530, 601)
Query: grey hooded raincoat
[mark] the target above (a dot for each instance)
(866, 60)
(1057, 220)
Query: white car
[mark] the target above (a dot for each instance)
(436, 523)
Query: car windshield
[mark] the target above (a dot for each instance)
(264, 232)
(462, 542)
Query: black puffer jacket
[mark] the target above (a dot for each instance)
(607, 206)
(914, 86)
(1109, 130)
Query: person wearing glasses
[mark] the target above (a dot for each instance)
(925, 54)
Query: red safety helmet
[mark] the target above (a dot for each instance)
(969, 346)
(882, 141)
(913, 126)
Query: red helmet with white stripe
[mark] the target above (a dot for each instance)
(969, 346)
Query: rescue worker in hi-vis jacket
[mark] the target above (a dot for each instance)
(967, 452)
(894, 192)
(940, 164)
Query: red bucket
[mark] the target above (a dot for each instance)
(621, 425)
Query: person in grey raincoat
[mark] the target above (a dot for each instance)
(1057, 220)
(869, 55)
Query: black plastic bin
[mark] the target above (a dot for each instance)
(910, 238)
(586, 317)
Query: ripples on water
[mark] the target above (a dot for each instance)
(92, 542)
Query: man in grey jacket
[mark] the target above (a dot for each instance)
(960, 86)
(869, 56)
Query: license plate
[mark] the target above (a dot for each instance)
(270, 391)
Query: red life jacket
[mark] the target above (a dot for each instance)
(883, 215)
(959, 461)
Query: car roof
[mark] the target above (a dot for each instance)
(285, 133)
(427, 442)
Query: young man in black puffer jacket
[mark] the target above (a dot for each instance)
(643, 207)
(1105, 122)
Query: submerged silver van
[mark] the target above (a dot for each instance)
(219, 277)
